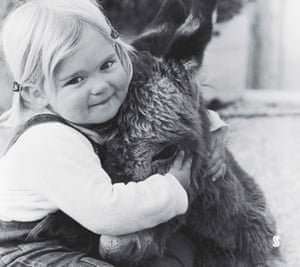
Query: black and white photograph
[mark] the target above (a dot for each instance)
(149, 133)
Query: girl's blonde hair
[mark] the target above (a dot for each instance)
(40, 34)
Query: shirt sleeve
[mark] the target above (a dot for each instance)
(215, 121)
(59, 163)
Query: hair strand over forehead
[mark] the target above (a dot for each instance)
(39, 34)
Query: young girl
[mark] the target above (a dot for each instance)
(67, 64)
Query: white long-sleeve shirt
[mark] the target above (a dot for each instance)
(38, 176)
(52, 166)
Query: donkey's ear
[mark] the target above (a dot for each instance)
(191, 38)
(157, 36)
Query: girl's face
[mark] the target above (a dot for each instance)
(91, 84)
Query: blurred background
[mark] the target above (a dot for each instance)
(250, 75)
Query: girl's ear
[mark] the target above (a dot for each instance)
(34, 97)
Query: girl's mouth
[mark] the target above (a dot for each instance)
(102, 102)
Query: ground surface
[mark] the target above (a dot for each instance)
(265, 138)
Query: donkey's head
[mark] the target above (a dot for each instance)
(163, 111)
(158, 118)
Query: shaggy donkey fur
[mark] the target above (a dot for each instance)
(228, 220)
(163, 113)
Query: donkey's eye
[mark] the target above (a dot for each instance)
(167, 153)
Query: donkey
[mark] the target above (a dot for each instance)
(163, 113)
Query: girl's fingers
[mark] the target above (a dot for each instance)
(214, 168)
(215, 164)
(188, 159)
(217, 154)
(217, 170)
(182, 160)
(212, 145)
(179, 160)
(220, 173)
(215, 160)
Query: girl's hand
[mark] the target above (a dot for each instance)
(217, 167)
(128, 248)
(181, 169)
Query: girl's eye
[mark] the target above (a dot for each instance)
(74, 81)
(107, 65)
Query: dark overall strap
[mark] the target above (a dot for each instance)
(44, 118)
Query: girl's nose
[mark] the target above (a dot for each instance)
(98, 86)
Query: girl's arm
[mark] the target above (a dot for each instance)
(219, 132)
(57, 162)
